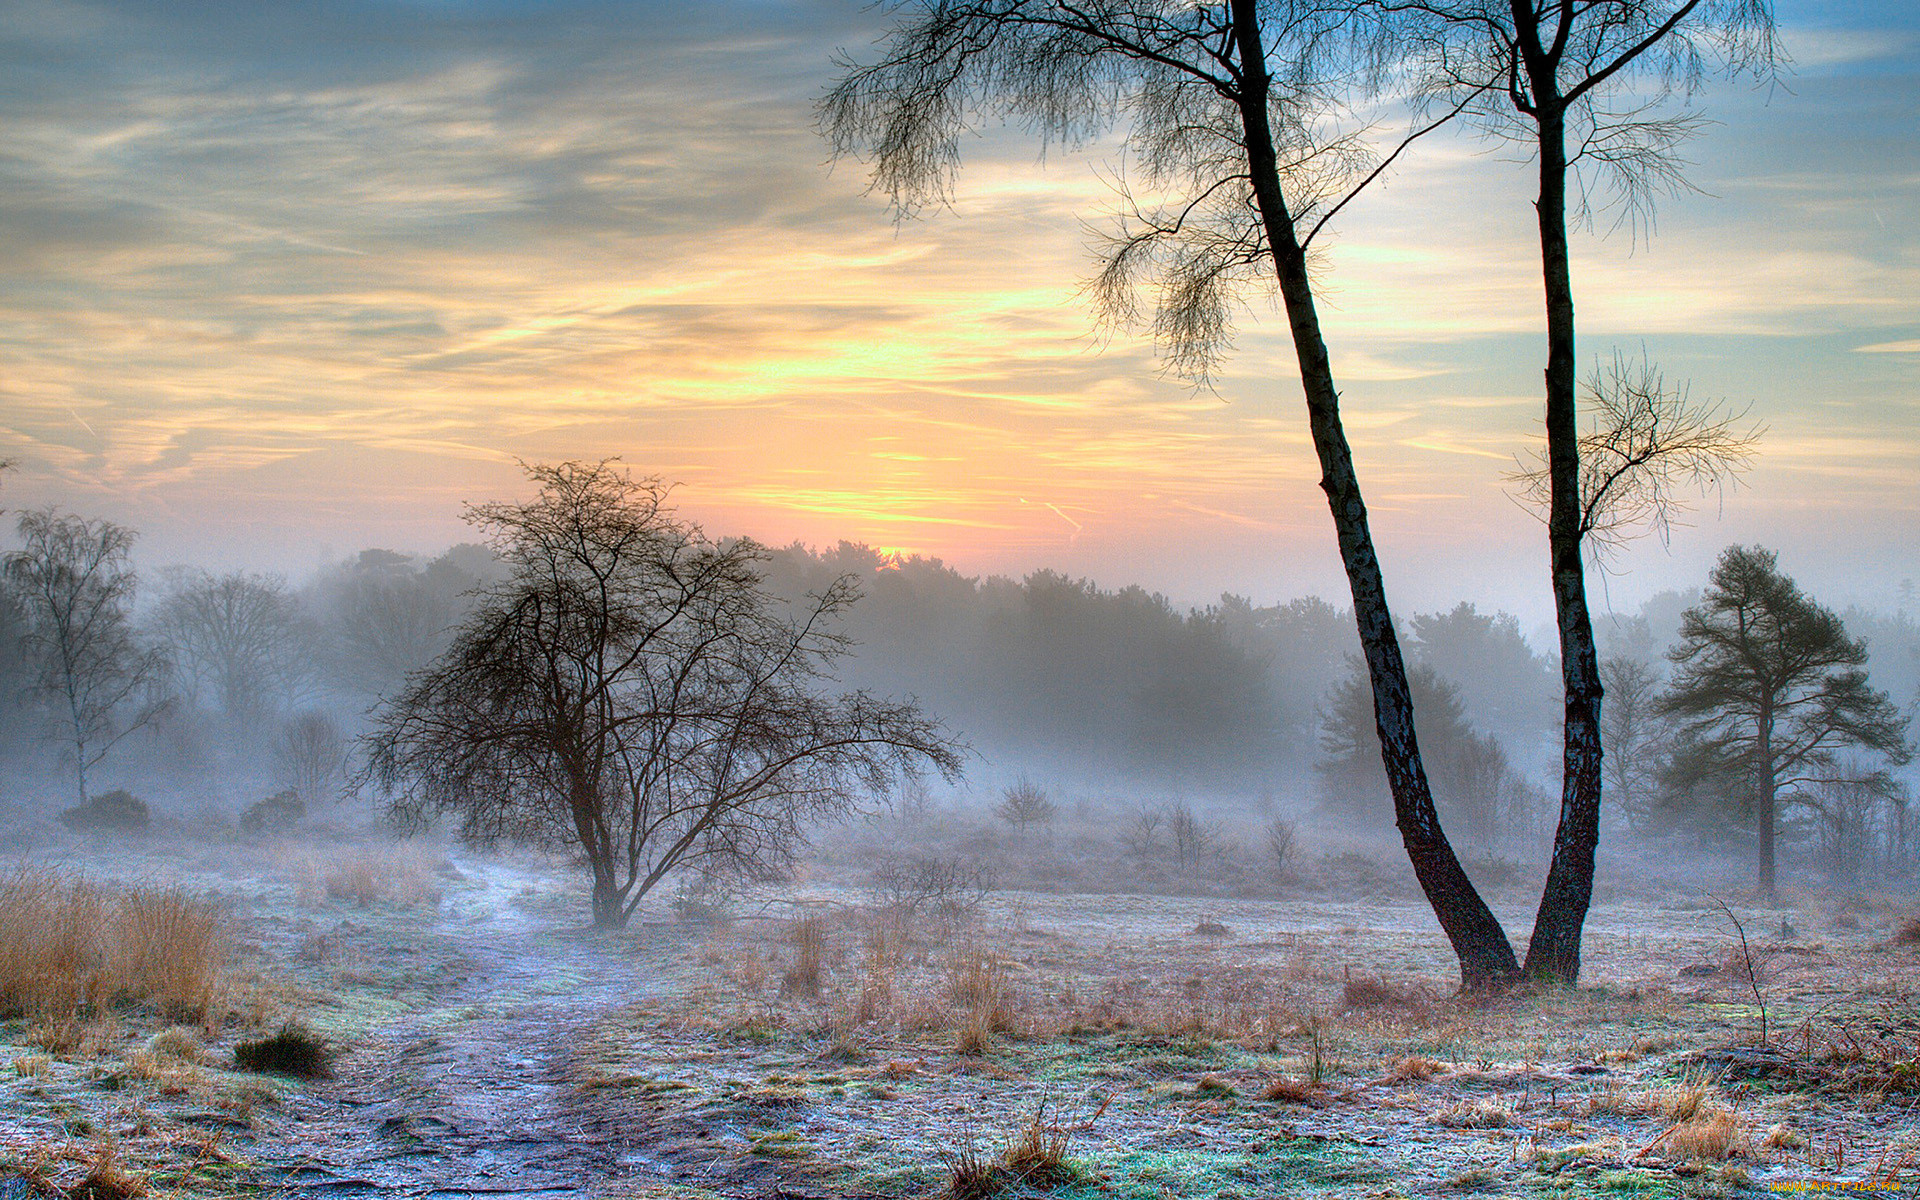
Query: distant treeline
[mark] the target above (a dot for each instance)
(1114, 693)
(1060, 676)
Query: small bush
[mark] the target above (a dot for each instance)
(948, 891)
(118, 811)
(295, 1050)
(1023, 804)
(278, 813)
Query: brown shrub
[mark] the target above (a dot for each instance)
(1413, 1067)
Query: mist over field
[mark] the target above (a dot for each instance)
(1116, 701)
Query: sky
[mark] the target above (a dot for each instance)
(279, 282)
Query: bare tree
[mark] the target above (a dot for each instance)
(1633, 732)
(632, 692)
(1141, 837)
(1580, 84)
(241, 635)
(1023, 804)
(1226, 103)
(387, 619)
(1192, 835)
(1283, 846)
(1648, 444)
(75, 581)
(311, 757)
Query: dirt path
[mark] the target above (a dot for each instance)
(473, 1092)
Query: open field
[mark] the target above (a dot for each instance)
(819, 1044)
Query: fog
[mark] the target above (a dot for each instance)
(1117, 703)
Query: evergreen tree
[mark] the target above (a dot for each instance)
(1768, 689)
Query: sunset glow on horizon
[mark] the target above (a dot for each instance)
(291, 280)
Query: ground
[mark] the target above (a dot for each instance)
(816, 1044)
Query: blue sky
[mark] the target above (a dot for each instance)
(282, 280)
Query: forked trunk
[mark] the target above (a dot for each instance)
(1553, 952)
(1486, 957)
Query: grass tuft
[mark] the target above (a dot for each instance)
(1036, 1159)
(294, 1050)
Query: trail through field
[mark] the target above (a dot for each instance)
(470, 1094)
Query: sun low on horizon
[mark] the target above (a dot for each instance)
(284, 281)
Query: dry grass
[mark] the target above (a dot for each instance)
(1286, 1090)
(1875, 1052)
(78, 1171)
(1484, 1113)
(1676, 1103)
(1411, 1068)
(401, 874)
(977, 985)
(1362, 993)
(70, 947)
(1035, 1159)
(32, 1066)
(808, 936)
(1711, 1134)
(67, 1036)
(883, 959)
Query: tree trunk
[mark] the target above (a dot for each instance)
(77, 714)
(1486, 957)
(1553, 952)
(1764, 802)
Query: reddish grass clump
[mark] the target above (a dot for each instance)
(1289, 1091)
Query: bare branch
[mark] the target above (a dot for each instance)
(1647, 447)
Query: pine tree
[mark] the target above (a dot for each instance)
(1768, 686)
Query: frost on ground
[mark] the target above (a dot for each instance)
(828, 1044)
